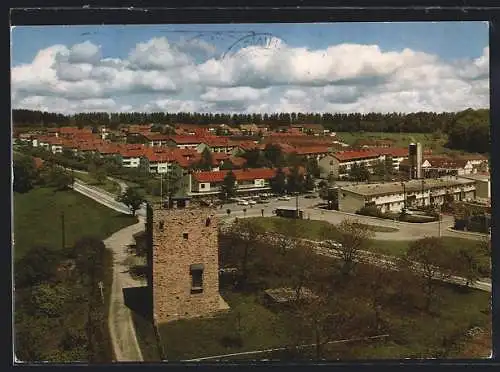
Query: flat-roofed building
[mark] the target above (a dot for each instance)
(393, 196)
(483, 184)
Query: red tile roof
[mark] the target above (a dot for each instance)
(240, 174)
(392, 151)
(312, 150)
(355, 155)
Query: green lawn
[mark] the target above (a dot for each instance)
(428, 140)
(260, 328)
(108, 185)
(309, 229)
(37, 219)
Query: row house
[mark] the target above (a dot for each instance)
(156, 139)
(370, 143)
(478, 161)
(437, 164)
(314, 129)
(394, 196)
(313, 152)
(339, 164)
(184, 142)
(158, 162)
(52, 144)
(249, 129)
(248, 181)
(217, 144)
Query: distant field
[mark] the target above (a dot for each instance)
(108, 185)
(428, 140)
(37, 219)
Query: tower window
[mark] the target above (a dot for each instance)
(185, 235)
(196, 272)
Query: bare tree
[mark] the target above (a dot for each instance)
(246, 234)
(302, 267)
(429, 258)
(352, 239)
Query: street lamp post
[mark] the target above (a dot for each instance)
(423, 198)
(297, 205)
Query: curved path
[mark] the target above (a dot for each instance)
(120, 322)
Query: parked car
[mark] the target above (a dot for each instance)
(284, 198)
(263, 201)
(242, 202)
(252, 202)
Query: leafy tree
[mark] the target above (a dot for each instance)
(56, 176)
(25, 174)
(206, 160)
(309, 182)
(255, 159)
(359, 172)
(312, 167)
(37, 266)
(274, 155)
(132, 198)
(228, 188)
(295, 180)
(278, 182)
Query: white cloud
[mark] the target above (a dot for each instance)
(272, 77)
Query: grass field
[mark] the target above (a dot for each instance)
(108, 185)
(428, 140)
(37, 219)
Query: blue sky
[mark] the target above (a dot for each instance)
(451, 43)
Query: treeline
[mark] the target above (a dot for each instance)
(467, 130)
(420, 122)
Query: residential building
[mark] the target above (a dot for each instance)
(248, 181)
(394, 196)
(216, 144)
(483, 185)
(339, 164)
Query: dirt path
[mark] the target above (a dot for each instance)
(121, 327)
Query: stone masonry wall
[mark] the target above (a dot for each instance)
(172, 257)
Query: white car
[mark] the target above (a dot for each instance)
(284, 198)
(252, 202)
(242, 202)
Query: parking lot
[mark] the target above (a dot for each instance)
(273, 202)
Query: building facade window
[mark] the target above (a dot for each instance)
(196, 271)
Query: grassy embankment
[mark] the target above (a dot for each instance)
(59, 335)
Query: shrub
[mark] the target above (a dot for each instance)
(371, 211)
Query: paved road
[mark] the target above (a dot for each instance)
(120, 322)
(406, 231)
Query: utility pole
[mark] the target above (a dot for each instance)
(63, 234)
(297, 205)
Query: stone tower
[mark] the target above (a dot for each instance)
(184, 261)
